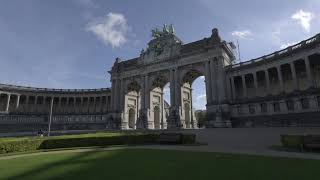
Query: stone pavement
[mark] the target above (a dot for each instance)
(254, 141)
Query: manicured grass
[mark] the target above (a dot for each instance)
(139, 164)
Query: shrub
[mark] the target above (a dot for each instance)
(292, 141)
(99, 141)
(20, 145)
(176, 138)
(188, 139)
(32, 144)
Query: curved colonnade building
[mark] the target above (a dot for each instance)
(279, 89)
(28, 109)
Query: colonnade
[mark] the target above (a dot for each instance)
(272, 80)
(22, 103)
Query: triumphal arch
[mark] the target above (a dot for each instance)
(280, 89)
(138, 84)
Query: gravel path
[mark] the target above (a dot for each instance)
(255, 141)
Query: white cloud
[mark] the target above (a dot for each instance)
(245, 34)
(303, 18)
(201, 97)
(200, 101)
(285, 45)
(112, 29)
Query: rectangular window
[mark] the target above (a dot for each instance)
(290, 105)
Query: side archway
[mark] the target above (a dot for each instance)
(132, 102)
(192, 95)
(157, 102)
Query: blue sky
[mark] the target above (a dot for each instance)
(73, 43)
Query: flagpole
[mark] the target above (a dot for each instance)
(50, 117)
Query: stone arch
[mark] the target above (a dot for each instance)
(158, 82)
(131, 103)
(133, 86)
(190, 75)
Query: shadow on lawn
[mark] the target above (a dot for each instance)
(162, 164)
(82, 162)
(114, 164)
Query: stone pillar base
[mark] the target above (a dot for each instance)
(218, 116)
(117, 120)
(174, 121)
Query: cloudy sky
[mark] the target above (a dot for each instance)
(73, 43)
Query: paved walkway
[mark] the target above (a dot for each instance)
(255, 141)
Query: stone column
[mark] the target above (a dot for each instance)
(172, 88)
(8, 103)
(121, 96)
(177, 87)
(244, 86)
(233, 87)
(116, 95)
(255, 83)
(144, 110)
(146, 92)
(228, 88)
(27, 107)
(142, 92)
(266, 72)
(221, 81)
(208, 83)
(283, 106)
(294, 76)
(213, 83)
(309, 73)
(101, 105)
(280, 78)
(172, 122)
(112, 95)
(18, 101)
(255, 80)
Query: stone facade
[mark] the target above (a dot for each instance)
(137, 84)
(279, 89)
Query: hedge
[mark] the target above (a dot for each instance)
(32, 144)
(292, 141)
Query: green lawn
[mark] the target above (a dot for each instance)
(156, 164)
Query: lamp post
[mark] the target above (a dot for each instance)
(50, 116)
